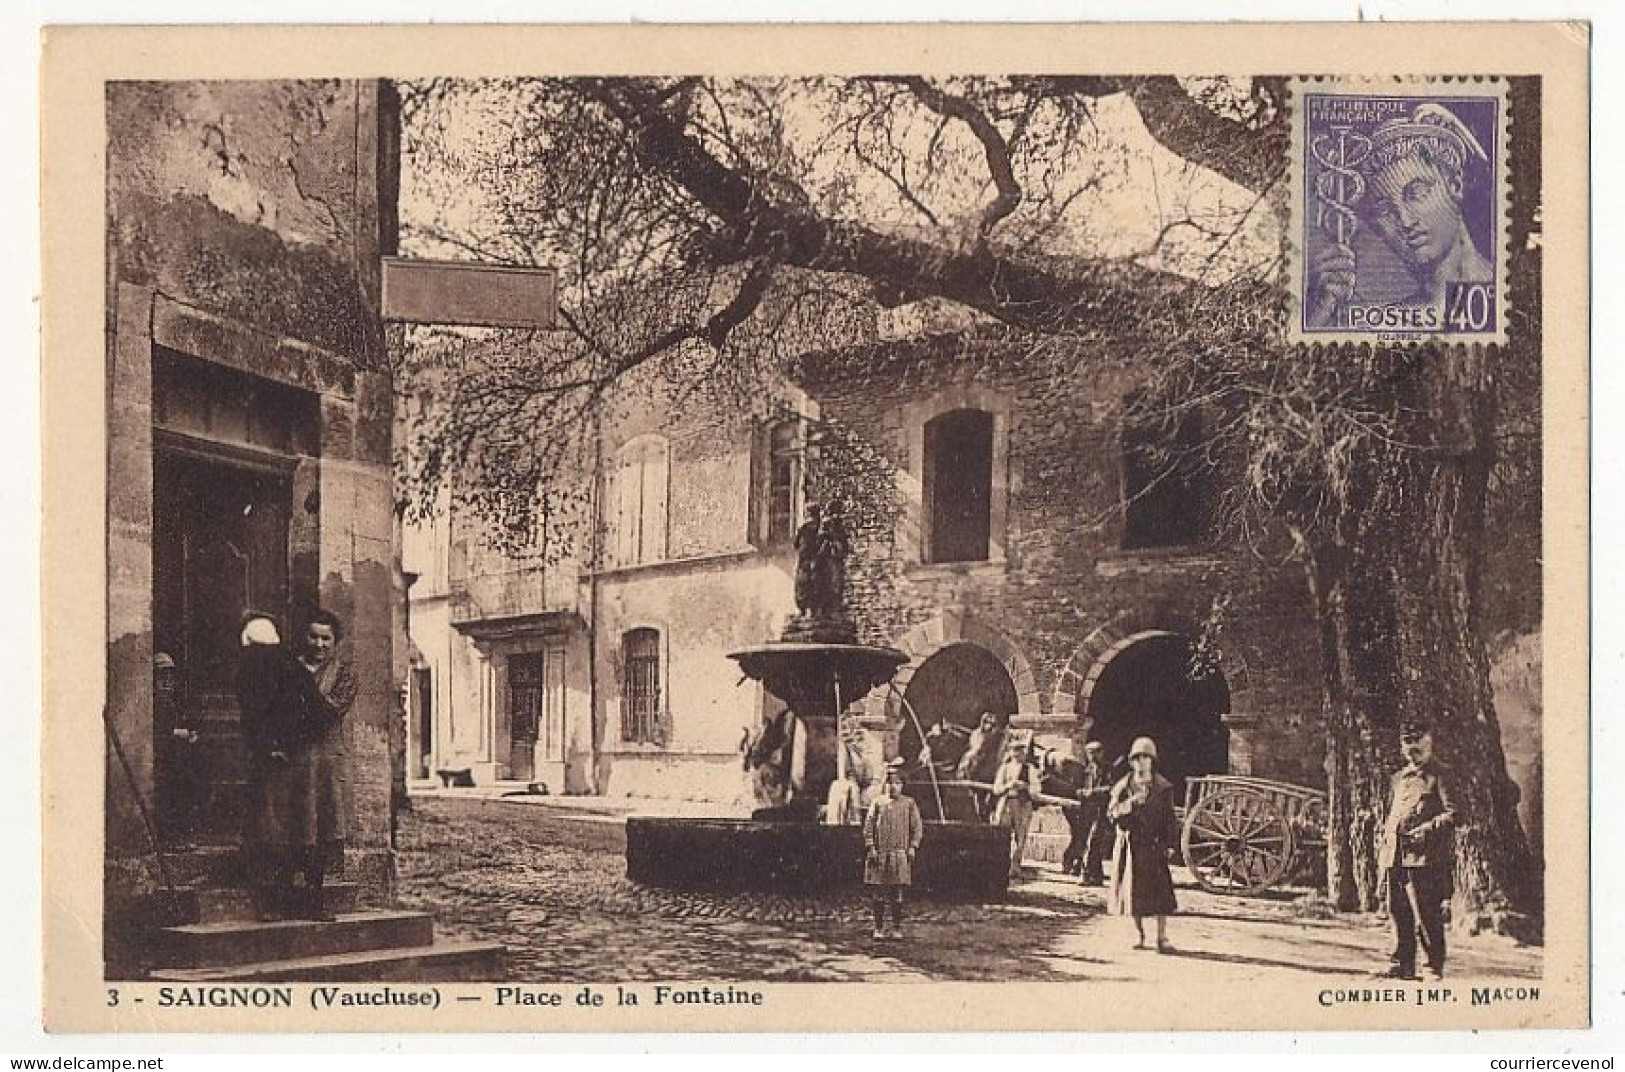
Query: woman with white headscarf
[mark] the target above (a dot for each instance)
(1142, 806)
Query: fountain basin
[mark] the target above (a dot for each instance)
(957, 861)
(806, 676)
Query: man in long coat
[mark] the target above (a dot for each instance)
(1415, 854)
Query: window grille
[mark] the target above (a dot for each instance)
(640, 689)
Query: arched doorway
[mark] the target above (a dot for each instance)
(956, 684)
(1150, 686)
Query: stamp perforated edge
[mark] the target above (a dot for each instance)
(1396, 86)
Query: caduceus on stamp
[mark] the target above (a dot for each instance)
(1399, 210)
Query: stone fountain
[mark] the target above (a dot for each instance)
(818, 669)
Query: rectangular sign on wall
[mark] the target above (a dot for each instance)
(476, 295)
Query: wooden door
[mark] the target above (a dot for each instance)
(220, 549)
(524, 713)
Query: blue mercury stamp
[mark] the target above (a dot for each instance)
(1398, 227)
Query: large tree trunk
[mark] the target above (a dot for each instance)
(1356, 620)
(1395, 582)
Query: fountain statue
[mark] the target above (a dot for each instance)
(817, 669)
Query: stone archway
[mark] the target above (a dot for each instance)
(956, 685)
(1145, 685)
(951, 629)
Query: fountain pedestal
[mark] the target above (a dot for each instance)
(817, 669)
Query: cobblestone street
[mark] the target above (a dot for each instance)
(549, 882)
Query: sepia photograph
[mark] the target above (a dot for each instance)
(666, 536)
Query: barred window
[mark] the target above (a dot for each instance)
(640, 688)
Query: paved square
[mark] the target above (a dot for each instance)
(549, 883)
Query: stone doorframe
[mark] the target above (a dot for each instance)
(142, 320)
(1075, 684)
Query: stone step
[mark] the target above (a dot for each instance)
(442, 962)
(209, 945)
(227, 904)
(204, 865)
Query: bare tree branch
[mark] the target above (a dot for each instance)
(1248, 155)
(994, 148)
(1079, 294)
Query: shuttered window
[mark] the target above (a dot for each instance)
(783, 480)
(636, 502)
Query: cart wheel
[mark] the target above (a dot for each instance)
(1237, 841)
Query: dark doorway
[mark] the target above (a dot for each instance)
(220, 549)
(958, 489)
(423, 707)
(524, 713)
(955, 685)
(1153, 688)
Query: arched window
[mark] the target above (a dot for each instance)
(958, 486)
(636, 502)
(640, 686)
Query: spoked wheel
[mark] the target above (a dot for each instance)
(1237, 841)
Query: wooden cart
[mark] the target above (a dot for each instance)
(1243, 835)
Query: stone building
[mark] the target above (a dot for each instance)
(602, 668)
(1017, 547)
(1045, 561)
(1016, 531)
(248, 467)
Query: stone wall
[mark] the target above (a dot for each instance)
(1059, 591)
(249, 198)
(245, 225)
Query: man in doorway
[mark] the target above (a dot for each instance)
(1415, 855)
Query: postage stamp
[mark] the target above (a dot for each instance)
(1398, 226)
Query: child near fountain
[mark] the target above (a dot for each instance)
(892, 830)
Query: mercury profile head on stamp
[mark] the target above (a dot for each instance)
(1399, 216)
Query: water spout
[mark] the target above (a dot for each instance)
(930, 768)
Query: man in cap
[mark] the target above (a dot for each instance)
(1090, 829)
(1415, 177)
(1415, 855)
(1015, 794)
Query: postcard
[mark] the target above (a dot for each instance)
(847, 528)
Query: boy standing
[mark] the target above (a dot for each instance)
(892, 830)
